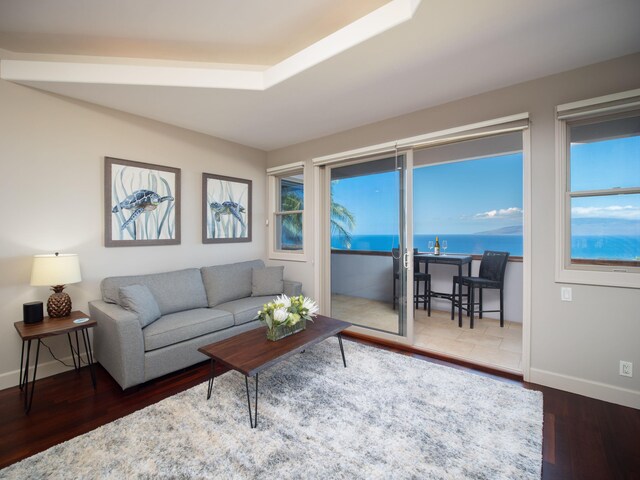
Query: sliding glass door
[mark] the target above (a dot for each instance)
(466, 188)
(470, 196)
(370, 263)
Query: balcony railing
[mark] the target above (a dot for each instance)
(378, 253)
(369, 274)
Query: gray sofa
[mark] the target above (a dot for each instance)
(169, 315)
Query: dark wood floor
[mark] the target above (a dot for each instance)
(583, 438)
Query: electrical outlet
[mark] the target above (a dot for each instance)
(565, 294)
(626, 369)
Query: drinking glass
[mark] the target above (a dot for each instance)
(431, 246)
(444, 247)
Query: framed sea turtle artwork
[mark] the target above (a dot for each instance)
(226, 209)
(142, 204)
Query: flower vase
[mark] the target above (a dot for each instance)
(278, 332)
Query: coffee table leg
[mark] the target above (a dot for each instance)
(344, 361)
(211, 377)
(253, 423)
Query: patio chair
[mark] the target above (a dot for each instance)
(491, 275)
(418, 278)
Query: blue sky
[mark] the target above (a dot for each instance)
(603, 165)
(460, 197)
(486, 194)
(468, 197)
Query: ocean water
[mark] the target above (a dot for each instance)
(613, 247)
(455, 243)
(623, 247)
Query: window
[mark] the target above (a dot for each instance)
(474, 205)
(288, 216)
(364, 206)
(599, 228)
(286, 197)
(468, 193)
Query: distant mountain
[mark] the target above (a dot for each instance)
(581, 226)
(512, 230)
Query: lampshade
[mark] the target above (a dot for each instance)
(56, 269)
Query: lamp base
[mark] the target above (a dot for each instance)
(59, 303)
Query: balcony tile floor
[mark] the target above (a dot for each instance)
(487, 344)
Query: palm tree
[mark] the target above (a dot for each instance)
(342, 223)
(342, 220)
(292, 224)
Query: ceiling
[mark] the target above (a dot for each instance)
(300, 69)
(228, 31)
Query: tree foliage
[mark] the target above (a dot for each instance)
(342, 220)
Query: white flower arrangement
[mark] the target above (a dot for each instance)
(284, 310)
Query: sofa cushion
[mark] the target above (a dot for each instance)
(245, 309)
(292, 289)
(224, 283)
(267, 281)
(139, 300)
(174, 291)
(181, 326)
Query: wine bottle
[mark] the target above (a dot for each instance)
(436, 249)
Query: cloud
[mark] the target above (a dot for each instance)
(511, 212)
(627, 212)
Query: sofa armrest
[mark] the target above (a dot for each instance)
(292, 289)
(118, 342)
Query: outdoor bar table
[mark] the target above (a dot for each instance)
(449, 259)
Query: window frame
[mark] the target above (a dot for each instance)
(433, 163)
(590, 272)
(274, 176)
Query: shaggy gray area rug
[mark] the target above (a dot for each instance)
(386, 416)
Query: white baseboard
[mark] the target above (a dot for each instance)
(588, 388)
(11, 379)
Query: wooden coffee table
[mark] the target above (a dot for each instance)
(250, 353)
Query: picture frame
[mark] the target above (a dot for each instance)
(142, 204)
(226, 209)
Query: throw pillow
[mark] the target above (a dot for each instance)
(267, 281)
(139, 300)
(225, 283)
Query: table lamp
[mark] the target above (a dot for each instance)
(56, 271)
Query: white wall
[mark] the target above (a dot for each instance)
(576, 346)
(365, 276)
(51, 168)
